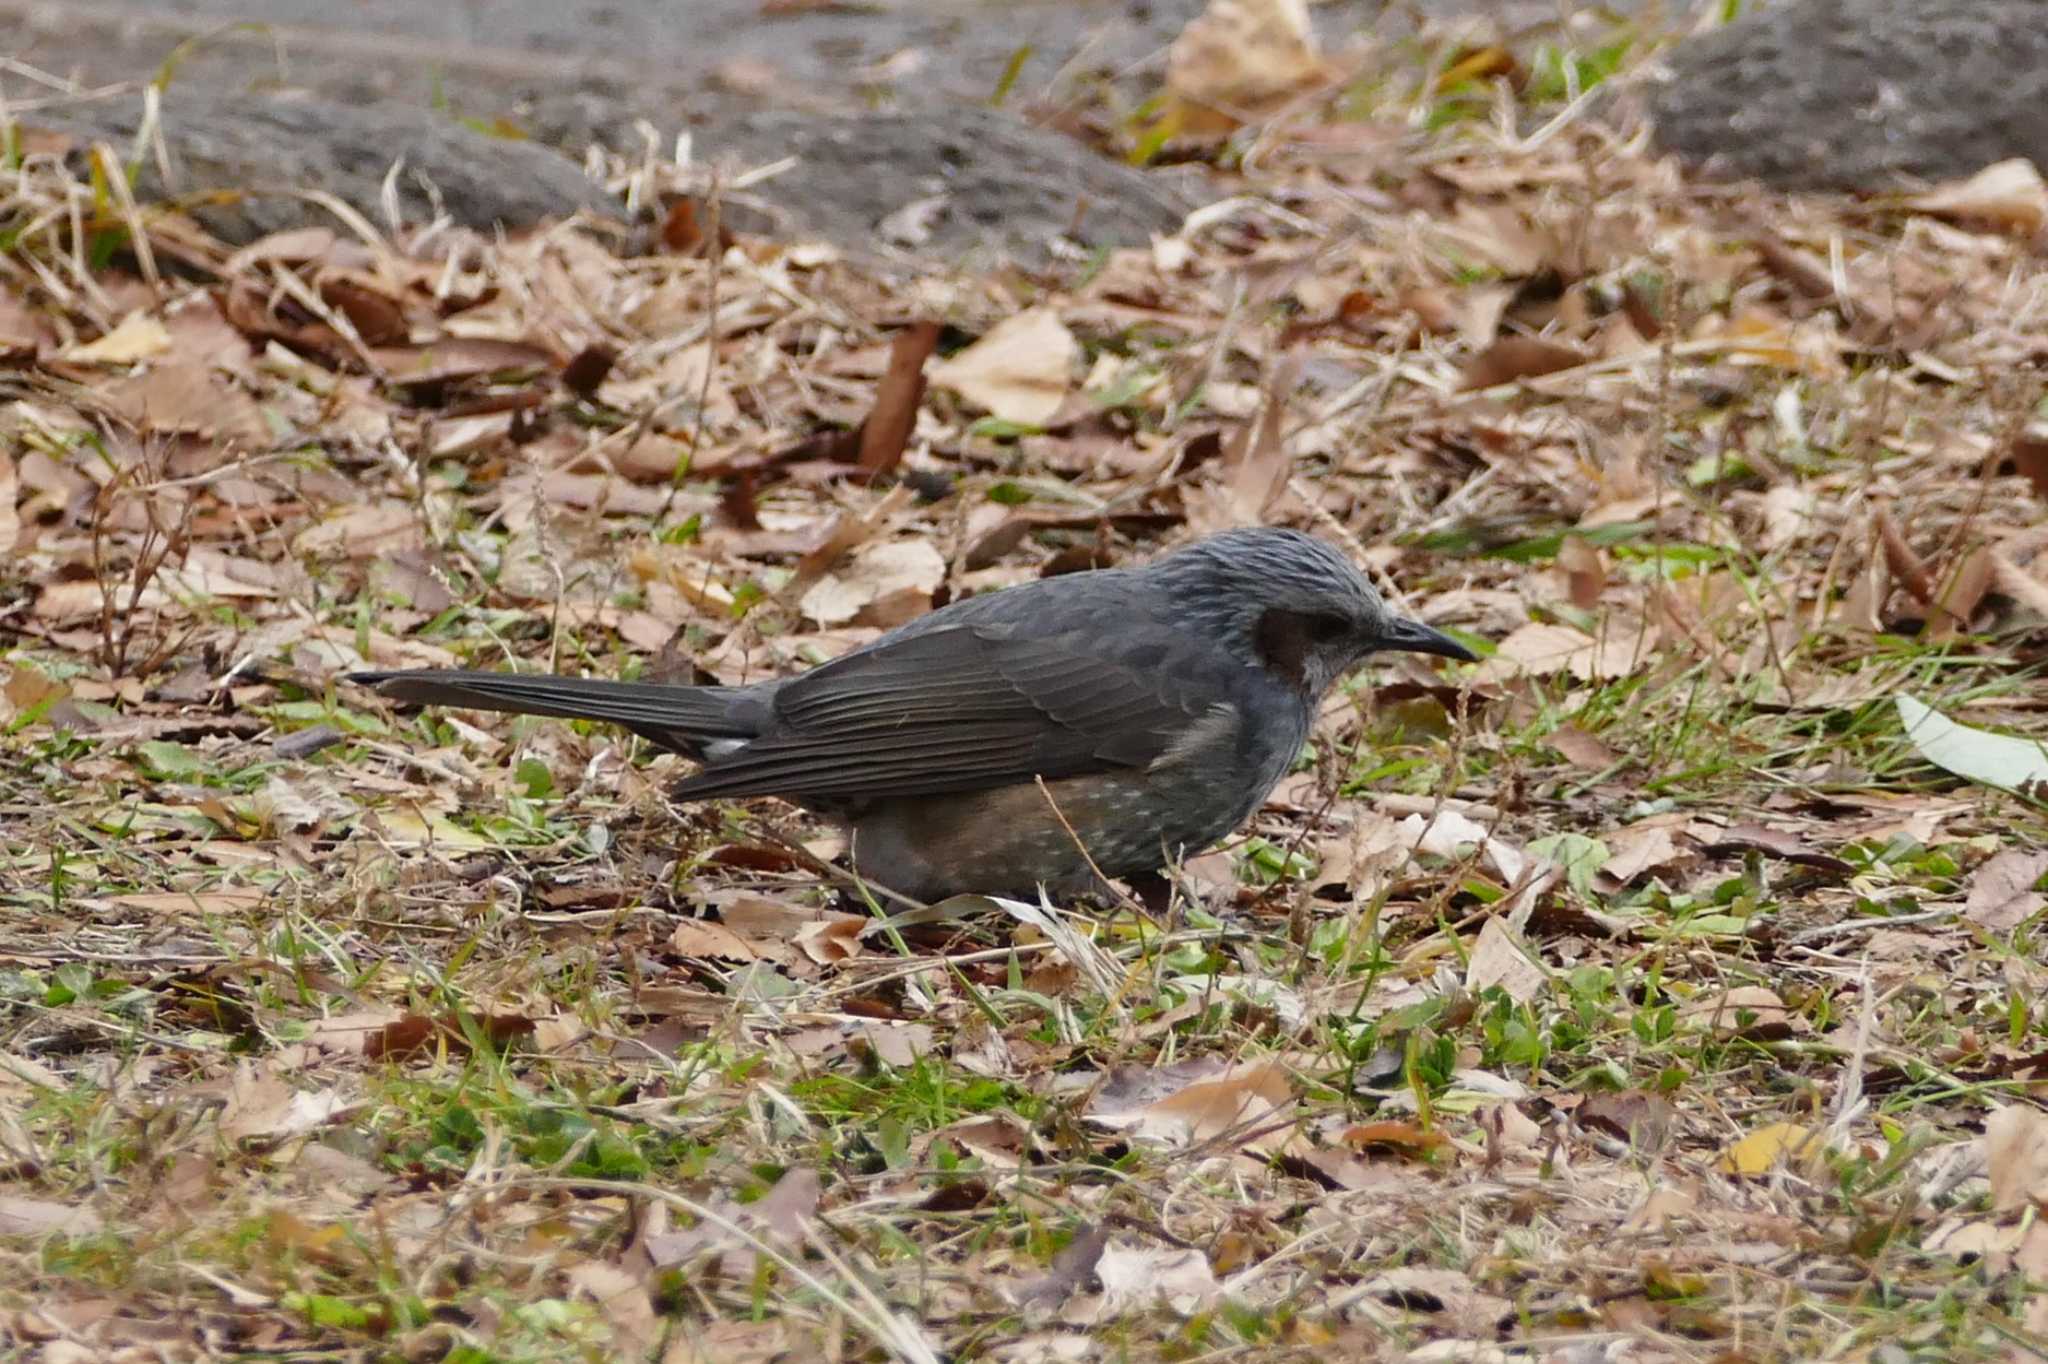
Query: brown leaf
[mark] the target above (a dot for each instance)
(178, 395)
(1964, 591)
(2002, 891)
(1241, 56)
(703, 938)
(2008, 195)
(886, 432)
(417, 1033)
(1777, 843)
(587, 370)
(378, 318)
(1585, 570)
(1581, 749)
(1645, 846)
(1499, 959)
(623, 1304)
(1639, 1117)
(1908, 567)
(262, 1107)
(1806, 273)
(2016, 1157)
(1020, 371)
(1518, 357)
(2029, 455)
(1256, 457)
(459, 357)
(1749, 1011)
(1196, 1102)
(35, 1218)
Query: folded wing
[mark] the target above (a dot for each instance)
(955, 709)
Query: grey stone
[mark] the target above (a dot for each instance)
(970, 181)
(268, 150)
(1861, 94)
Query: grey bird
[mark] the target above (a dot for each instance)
(1138, 714)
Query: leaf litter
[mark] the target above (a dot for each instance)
(1671, 977)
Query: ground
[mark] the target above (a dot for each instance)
(1665, 986)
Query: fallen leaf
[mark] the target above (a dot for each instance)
(1020, 371)
(37, 1217)
(1581, 749)
(261, 1106)
(2004, 892)
(883, 583)
(2016, 1157)
(622, 1303)
(1639, 1117)
(889, 423)
(1518, 357)
(413, 1034)
(2029, 455)
(10, 509)
(1538, 649)
(1499, 960)
(2001, 760)
(1240, 57)
(1772, 1145)
(1774, 842)
(2008, 195)
(1748, 1011)
(1137, 1277)
(703, 938)
(1636, 849)
(1241, 1105)
(136, 337)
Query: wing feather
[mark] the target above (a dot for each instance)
(954, 709)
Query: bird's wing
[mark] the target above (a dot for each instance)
(959, 709)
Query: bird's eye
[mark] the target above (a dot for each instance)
(1325, 628)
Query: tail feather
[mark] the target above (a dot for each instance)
(678, 718)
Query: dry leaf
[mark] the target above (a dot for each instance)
(1772, 1145)
(1751, 1011)
(623, 1304)
(2002, 891)
(1639, 1117)
(1538, 649)
(35, 1218)
(1518, 357)
(137, 336)
(261, 1106)
(1581, 749)
(1242, 56)
(1499, 960)
(1020, 371)
(2007, 195)
(2016, 1158)
(885, 583)
(1136, 1277)
(1239, 1105)
(887, 429)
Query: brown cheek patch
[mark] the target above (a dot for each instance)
(1282, 641)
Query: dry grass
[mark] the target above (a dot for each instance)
(1638, 994)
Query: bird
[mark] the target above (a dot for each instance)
(1040, 737)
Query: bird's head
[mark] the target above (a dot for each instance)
(1295, 604)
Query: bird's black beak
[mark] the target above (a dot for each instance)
(1401, 635)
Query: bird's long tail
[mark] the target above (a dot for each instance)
(677, 718)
